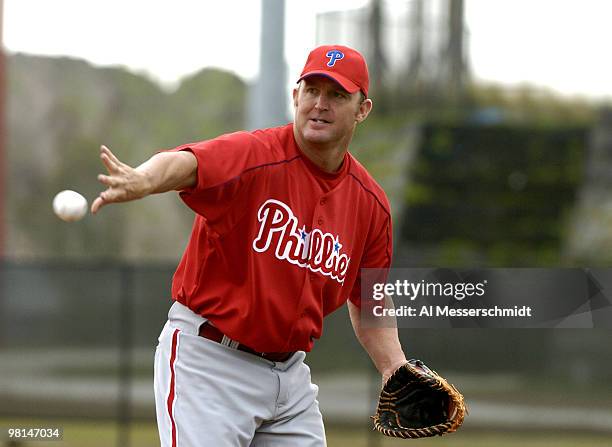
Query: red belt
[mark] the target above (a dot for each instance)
(212, 333)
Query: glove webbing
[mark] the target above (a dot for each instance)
(433, 381)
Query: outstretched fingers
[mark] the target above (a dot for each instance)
(123, 183)
(97, 204)
(111, 166)
(109, 195)
(106, 151)
(111, 181)
(107, 180)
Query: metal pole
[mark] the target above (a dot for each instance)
(456, 56)
(378, 63)
(374, 438)
(2, 132)
(2, 171)
(268, 96)
(416, 49)
(125, 355)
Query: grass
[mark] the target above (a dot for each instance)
(105, 434)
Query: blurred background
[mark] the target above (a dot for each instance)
(491, 133)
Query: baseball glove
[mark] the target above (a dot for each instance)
(416, 402)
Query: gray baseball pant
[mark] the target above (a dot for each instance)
(209, 394)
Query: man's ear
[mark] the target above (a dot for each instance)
(364, 110)
(295, 95)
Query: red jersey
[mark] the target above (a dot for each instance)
(277, 243)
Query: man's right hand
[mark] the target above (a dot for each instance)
(164, 171)
(123, 182)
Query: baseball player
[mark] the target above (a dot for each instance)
(285, 220)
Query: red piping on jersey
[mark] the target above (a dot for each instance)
(170, 403)
(374, 195)
(381, 205)
(272, 163)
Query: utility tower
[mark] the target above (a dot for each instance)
(415, 58)
(267, 102)
(454, 55)
(377, 62)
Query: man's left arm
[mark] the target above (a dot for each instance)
(381, 343)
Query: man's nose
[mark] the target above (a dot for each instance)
(322, 102)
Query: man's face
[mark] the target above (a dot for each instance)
(325, 113)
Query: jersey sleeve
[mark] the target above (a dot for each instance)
(223, 183)
(377, 255)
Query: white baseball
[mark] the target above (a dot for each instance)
(69, 205)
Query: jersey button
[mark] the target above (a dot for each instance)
(320, 221)
(323, 201)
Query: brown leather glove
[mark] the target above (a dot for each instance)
(416, 402)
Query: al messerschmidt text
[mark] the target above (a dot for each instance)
(447, 311)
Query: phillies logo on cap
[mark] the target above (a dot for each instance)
(334, 55)
(351, 74)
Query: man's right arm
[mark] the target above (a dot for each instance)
(165, 171)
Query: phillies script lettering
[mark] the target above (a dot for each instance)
(316, 251)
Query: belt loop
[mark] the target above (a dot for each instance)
(229, 342)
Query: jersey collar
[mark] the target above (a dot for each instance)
(316, 170)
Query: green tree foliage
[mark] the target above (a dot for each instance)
(496, 195)
(59, 113)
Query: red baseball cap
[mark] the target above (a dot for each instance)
(344, 65)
